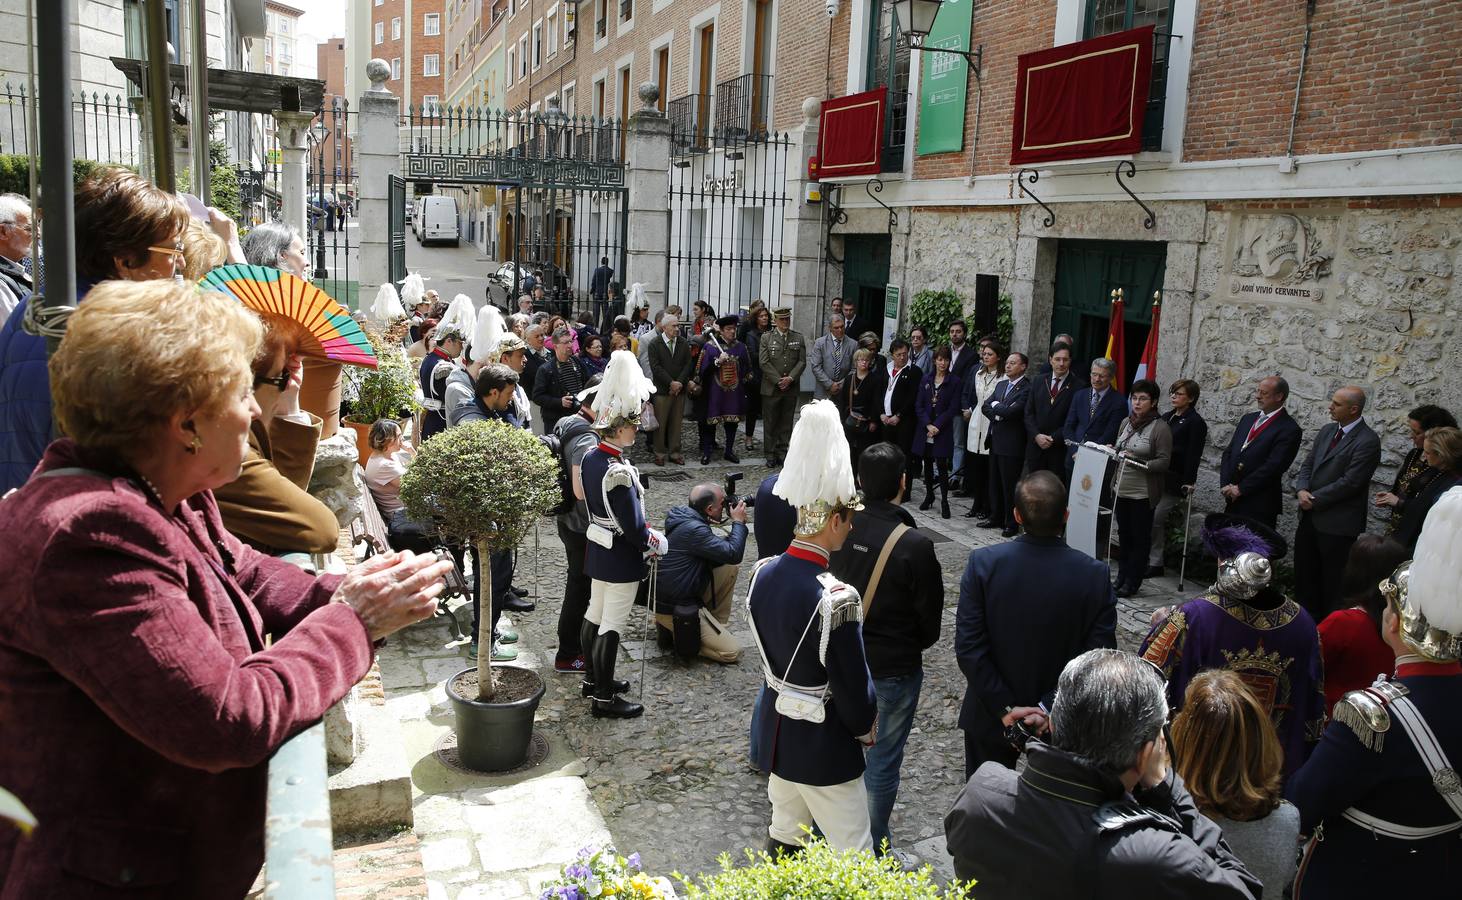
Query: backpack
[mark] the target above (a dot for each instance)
(559, 447)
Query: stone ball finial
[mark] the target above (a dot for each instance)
(649, 94)
(379, 72)
(811, 109)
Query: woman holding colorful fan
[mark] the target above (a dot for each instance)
(156, 661)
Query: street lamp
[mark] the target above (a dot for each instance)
(915, 19)
(317, 133)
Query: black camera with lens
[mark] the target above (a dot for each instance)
(730, 490)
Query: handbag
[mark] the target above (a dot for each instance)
(648, 422)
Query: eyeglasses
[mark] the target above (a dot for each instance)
(280, 381)
(175, 252)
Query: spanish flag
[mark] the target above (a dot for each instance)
(1114, 339)
(1147, 366)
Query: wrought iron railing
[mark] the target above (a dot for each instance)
(690, 118)
(105, 127)
(742, 104)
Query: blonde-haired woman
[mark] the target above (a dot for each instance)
(1227, 753)
(156, 661)
(977, 389)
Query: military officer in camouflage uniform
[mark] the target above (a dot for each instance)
(782, 358)
(1380, 798)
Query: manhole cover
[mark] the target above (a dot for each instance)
(446, 752)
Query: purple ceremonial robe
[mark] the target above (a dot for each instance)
(1275, 650)
(723, 378)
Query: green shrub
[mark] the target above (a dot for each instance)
(935, 310)
(1005, 320)
(818, 873)
(386, 392)
(15, 172)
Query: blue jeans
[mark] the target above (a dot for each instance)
(898, 697)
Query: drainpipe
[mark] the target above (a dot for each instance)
(1288, 164)
(159, 97)
(200, 131)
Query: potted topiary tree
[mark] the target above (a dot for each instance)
(385, 392)
(485, 483)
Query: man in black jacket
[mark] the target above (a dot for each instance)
(1045, 413)
(897, 406)
(1097, 812)
(1005, 409)
(901, 618)
(1261, 450)
(558, 380)
(700, 568)
(1011, 641)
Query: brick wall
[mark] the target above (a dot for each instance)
(1379, 76)
(412, 17)
(1006, 30)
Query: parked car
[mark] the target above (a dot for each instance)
(503, 277)
(436, 220)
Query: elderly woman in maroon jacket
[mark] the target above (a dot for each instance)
(150, 663)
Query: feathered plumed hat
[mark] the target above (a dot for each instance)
(458, 321)
(817, 476)
(1425, 590)
(488, 332)
(387, 307)
(622, 393)
(413, 288)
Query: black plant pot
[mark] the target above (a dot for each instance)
(494, 737)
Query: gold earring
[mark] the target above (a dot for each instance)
(194, 445)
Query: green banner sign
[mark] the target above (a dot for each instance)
(944, 78)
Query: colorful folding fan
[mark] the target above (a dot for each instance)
(337, 336)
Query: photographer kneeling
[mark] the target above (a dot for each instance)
(697, 578)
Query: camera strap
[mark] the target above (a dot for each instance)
(877, 576)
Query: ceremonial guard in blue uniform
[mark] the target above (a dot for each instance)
(435, 368)
(1380, 797)
(619, 541)
(817, 713)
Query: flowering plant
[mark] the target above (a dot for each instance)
(602, 872)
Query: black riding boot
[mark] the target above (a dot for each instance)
(588, 636)
(928, 491)
(606, 704)
(730, 429)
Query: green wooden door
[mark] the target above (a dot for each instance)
(865, 278)
(1086, 274)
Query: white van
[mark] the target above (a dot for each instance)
(436, 219)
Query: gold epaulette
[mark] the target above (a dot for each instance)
(1364, 712)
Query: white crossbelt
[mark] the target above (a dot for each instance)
(781, 685)
(1444, 777)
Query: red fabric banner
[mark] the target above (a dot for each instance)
(850, 136)
(1082, 100)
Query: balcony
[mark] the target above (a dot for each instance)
(690, 118)
(741, 107)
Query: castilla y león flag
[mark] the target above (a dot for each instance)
(1147, 366)
(1114, 340)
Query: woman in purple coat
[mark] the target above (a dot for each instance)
(933, 435)
(724, 369)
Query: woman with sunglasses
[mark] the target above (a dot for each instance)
(126, 228)
(268, 506)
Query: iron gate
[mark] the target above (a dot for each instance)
(397, 225)
(545, 191)
(331, 212)
(728, 197)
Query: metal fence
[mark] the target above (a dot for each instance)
(556, 201)
(728, 199)
(333, 238)
(105, 127)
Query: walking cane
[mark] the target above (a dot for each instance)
(536, 596)
(1187, 521)
(645, 632)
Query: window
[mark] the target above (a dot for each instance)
(379, 2)
(551, 33)
(431, 65)
(283, 69)
(523, 57)
(284, 26)
(268, 46)
(888, 66)
(430, 105)
(431, 24)
(537, 45)
(1111, 16)
(380, 32)
(396, 28)
(512, 58)
(570, 19)
(626, 10)
(396, 68)
(600, 26)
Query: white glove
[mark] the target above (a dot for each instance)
(659, 545)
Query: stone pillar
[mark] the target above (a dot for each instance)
(1032, 292)
(294, 144)
(802, 232)
(647, 176)
(378, 156)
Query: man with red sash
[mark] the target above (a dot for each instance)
(1261, 450)
(1380, 798)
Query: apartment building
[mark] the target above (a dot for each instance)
(1292, 195)
(407, 34)
(336, 149)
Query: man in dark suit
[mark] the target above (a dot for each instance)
(1049, 365)
(1333, 487)
(1005, 408)
(1045, 413)
(1261, 450)
(1096, 412)
(1012, 642)
(897, 407)
(670, 370)
(964, 358)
